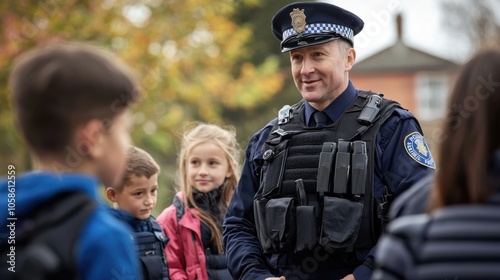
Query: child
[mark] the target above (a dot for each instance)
(136, 196)
(460, 236)
(71, 104)
(209, 172)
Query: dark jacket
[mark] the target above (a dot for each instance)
(457, 242)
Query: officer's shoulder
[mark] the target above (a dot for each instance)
(264, 131)
(391, 110)
(270, 124)
(400, 113)
(394, 119)
(399, 120)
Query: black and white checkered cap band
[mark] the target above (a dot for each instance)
(317, 28)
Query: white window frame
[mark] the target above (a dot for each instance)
(431, 95)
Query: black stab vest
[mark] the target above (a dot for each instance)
(292, 151)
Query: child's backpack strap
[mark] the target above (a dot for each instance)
(179, 208)
(158, 231)
(46, 244)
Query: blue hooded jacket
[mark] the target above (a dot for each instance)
(98, 256)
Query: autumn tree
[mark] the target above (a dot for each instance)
(191, 57)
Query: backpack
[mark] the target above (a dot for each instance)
(45, 244)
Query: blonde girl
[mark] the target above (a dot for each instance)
(208, 174)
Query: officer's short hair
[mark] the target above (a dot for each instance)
(60, 86)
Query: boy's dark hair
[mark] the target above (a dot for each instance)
(57, 87)
(139, 163)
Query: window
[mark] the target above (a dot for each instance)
(431, 95)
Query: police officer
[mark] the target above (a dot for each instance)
(317, 181)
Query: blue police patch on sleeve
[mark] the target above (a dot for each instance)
(417, 149)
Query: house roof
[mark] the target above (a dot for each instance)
(401, 58)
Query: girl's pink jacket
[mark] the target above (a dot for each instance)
(185, 254)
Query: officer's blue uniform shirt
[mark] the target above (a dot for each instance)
(397, 166)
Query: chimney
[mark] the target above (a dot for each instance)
(399, 26)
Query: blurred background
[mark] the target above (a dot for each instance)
(217, 61)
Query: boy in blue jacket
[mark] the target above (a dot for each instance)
(71, 104)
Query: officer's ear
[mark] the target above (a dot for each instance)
(350, 58)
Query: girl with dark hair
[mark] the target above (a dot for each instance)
(460, 237)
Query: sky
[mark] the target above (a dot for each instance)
(423, 27)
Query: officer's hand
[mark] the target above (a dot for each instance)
(277, 278)
(349, 277)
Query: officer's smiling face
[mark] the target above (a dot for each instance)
(320, 72)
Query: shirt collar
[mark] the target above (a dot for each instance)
(337, 107)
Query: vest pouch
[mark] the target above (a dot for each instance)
(281, 223)
(150, 251)
(274, 168)
(152, 267)
(341, 223)
(307, 231)
(259, 211)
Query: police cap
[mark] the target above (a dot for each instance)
(303, 24)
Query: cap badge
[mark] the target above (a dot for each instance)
(298, 20)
